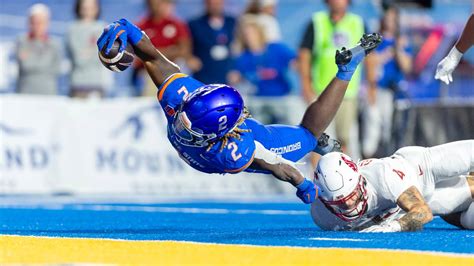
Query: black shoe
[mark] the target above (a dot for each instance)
(367, 43)
(327, 145)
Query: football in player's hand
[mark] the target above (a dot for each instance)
(116, 61)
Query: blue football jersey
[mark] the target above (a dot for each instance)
(291, 142)
(234, 157)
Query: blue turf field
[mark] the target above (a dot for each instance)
(272, 224)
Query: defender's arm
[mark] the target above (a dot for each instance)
(418, 211)
(418, 214)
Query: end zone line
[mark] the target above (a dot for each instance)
(338, 239)
(101, 207)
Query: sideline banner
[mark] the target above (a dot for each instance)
(115, 146)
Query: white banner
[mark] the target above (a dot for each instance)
(116, 146)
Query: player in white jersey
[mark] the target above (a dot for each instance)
(397, 193)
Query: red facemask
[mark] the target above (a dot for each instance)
(340, 209)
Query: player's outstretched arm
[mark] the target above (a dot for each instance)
(284, 170)
(450, 62)
(157, 65)
(321, 112)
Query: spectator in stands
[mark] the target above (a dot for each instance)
(38, 55)
(167, 33)
(263, 64)
(212, 35)
(326, 32)
(265, 11)
(393, 61)
(88, 76)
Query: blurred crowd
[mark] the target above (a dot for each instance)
(245, 51)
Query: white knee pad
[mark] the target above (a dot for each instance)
(467, 218)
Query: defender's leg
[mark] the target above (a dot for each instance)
(443, 161)
(464, 218)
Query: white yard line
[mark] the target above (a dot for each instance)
(122, 208)
(338, 239)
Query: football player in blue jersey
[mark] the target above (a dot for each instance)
(212, 131)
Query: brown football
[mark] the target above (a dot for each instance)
(116, 61)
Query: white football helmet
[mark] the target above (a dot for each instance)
(342, 188)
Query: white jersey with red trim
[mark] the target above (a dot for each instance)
(437, 172)
(386, 179)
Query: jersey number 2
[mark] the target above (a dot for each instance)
(232, 146)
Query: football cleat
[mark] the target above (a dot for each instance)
(367, 43)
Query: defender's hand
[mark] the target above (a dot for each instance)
(389, 227)
(307, 191)
(348, 60)
(447, 65)
(121, 29)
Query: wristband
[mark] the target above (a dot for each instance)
(305, 185)
(344, 75)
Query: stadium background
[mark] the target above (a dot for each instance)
(75, 176)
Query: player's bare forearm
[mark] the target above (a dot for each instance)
(157, 65)
(281, 171)
(467, 37)
(321, 112)
(418, 212)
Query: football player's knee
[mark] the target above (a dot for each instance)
(467, 218)
(470, 182)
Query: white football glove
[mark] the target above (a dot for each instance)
(447, 65)
(388, 227)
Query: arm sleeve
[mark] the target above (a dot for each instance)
(272, 158)
(308, 37)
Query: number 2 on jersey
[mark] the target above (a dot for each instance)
(232, 146)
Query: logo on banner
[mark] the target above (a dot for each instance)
(135, 124)
(4, 128)
(28, 154)
(128, 152)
